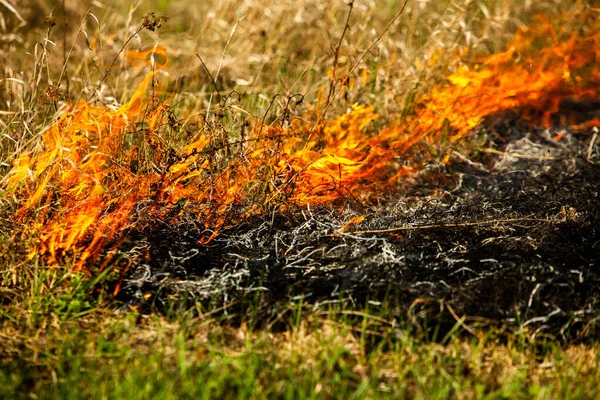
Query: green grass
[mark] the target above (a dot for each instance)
(59, 341)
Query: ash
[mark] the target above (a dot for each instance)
(508, 235)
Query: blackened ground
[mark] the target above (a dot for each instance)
(509, 235)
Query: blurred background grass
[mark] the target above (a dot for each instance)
(257, 48)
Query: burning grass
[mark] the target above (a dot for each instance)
(101, 172)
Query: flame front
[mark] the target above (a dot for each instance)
(100, 172)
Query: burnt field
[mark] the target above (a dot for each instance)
(509, 237)
(311, 199)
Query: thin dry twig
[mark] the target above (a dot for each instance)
(223, 58)
(355, 65)
(337, 55)
(13, 10)
(590, 149)
(67, 55)
(459, 320)
(107, 72)
(517, 155)
(360, 314)
(214, 82)
(452, 225)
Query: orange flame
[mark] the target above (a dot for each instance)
(100, 172)
(534, 76)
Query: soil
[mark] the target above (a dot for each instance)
(509, 235)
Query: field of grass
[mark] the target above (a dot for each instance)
(234, 66)
(60, 342)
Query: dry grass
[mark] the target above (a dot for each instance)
(259, 49)
(213, 90)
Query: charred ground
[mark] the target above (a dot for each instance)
(508, 235)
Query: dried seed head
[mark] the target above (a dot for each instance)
(52, 94)
(50, 20)
(151, 22)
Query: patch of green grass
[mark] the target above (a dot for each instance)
(61, 341)
(160, 360)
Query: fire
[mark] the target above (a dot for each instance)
(100, 172)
